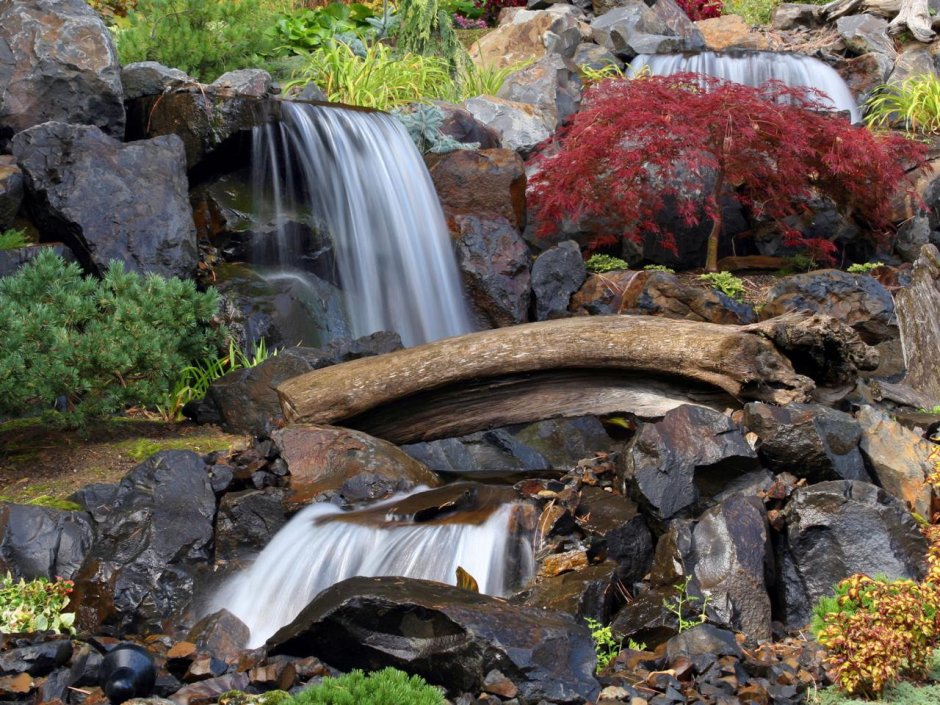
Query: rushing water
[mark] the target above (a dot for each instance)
(753, 68)
(323, 545)
(359, 174)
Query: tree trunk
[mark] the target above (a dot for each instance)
(711, 256)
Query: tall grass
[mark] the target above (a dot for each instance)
(913, 104)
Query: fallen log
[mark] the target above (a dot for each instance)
(908, 15)
(600, 364)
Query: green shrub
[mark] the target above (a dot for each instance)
(34, 606)
(308, 29)
(386, 687)
(866, 268)
(204, 38)
(753, 11)
(425, 28)
(12, 239)
(101, 344)
(913, 104)
(658, 268)
(726, 283)
(605, 263)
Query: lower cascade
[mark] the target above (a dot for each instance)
(358, 174)
(752, 68)
(426, 534)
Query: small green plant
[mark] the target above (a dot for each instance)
(913, 104)
(308, 29)
(12, 239)
(386, 687)
(472, 80)
(865, 268)
(754, 12)
(605, 646)
(605, 263)
(725, 282)
(34, 606)
(658, 268)
(689, 613)
(424, 123)
(593, 75)
(428, 30)
(931, 410)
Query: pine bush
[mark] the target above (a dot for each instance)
(386, 687)
(101, 345)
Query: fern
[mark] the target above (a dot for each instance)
(426, 28)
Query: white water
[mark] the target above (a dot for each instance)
(755, 68)
(360, 174)
(315, 550)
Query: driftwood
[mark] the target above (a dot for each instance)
(603, 364)
(910, 15)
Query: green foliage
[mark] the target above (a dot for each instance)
(931, 410)
(726, 283)
(34, 606)
(658, 268)
(686, 608)
(425, 28)
(204, 38)
(424, 124)
(592, 75)
(605, 263)
(799, 263)
(913, 104)
(308, 29)
(386, 687)
(865, 268)
(12, 239)
(754, 12)
(605, 646)
(900, 694)
(473, 80)
(100, 344)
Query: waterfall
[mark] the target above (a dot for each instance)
(359, 175)
(323, 545)
(755, 68)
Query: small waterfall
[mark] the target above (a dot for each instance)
(359, 174)
(423, 534)
(755, 68)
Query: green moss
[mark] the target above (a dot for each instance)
(386, 687)
(142, 448)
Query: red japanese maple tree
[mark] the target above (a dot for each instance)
(637, 143)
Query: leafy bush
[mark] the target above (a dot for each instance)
(726, 283)
(701, 9)
(913, 104)
(12, 239)
(307, 29)
(636, 143)
(99, 345)
(426, 29)
(659, 268)
(754, 12)
(605, 263)
(386, 687)
(204, 38)
(34, 606)
(865, 268)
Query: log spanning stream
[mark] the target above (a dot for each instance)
(424, 534)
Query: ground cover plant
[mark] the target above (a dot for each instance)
(34, 606)
(637, 144)
(913, 104)
(386, 687)
(13, 238)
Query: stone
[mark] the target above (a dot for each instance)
(644, 618)
(57, 63)
(40, 542)
(914, 59)
(864, 34)
(520, 126)
(447, 635)
(485, 183)
(588, 592)
(730, 32)
(551, 85)
(791, 15)
(16, 685)
(222, 634)
(912, 235)
(529, 36)
(859, 300)
(247, 521)
(110, 201)
(151, 535)
(252, 83)
(589, 55)
(834, 530)
(325, 459)
(808, 440)
(899, 458)
(11, 191)
(208, 691)
(463, 127)
(494, 264)
(863, 74)
(36, 660)
(146, 78)
(918, 313)
(557, 274)
(703, 645)
(666, 461)
(498, 684)
(618, 521)
(634, 28)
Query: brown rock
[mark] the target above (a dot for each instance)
(918, 312)
(498, 684)
(16, 685)
(730, 32)
(522, 39)
(222, 634)
(182, 649)
(488, 183)
(558, 563)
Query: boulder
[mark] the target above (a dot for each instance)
(11, 191)
(11, 260)
(835, 529)
(912, 235)
(251, 83)
(856, 299)
(557, 274)
(808, 440)
(590, 55)
(38, 659)
(899, 458)
(460, 125)
(730, 32)
(485, 183)
(863, 74)
(637, 28)
(57, 63)
(108, 200)
(666, 460)
(914, 59)
(618, 521)
(39, 542)
(494, 264)
(589, 592)
(153, 531)
(645, 618)
(551, 84)
(790, 15)
(918, 313)
(146, 78)
(339, 461)
(529, 36)
(520, 126)
(864, 33)
(221, 633)
(447, 635)
(247, 521)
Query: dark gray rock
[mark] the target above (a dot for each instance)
(11, 190)
(152, 535)
(637, 28)
(551, 84)
(463, 127)
(144, 78)
(588, 592)
(449, 636)
(110, 201)
(520, 126)
(912, 235)
(618, 521)
(645, 618)
(835, 529)
(494, 263)
(36, 660)
(864, 33)
(247, 521)
(808, 440)
(38, 542)
(11, 260)
(590, 55)
(790, 15)
(222, 634)
(252, 83)
(57, 62)
(556, 275)
(703, 645)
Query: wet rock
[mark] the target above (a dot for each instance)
(11, 190)
(618, 521)
(703, 645)
(463, 127)
(557, 274)
(917, 303)
(208, 691)
(899, 458)
(39, 542)
(110, 201)
(36, 660)
(645, 619)
(59, 64)
(222, 634)
(520, 126)
(588, 592)
(730, 32)
(635, 28)
(145, 78)
(856, 299)
(55, 686)
(808, 440)
(529, 36)
(666, 460)
(150, 537)
(494, 263)
(247, 521)
(485, 183)
(551, 85)
(835, 529)
(449, 636)
(324, 459)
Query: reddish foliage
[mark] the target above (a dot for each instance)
(637, 144)
(701, 9)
